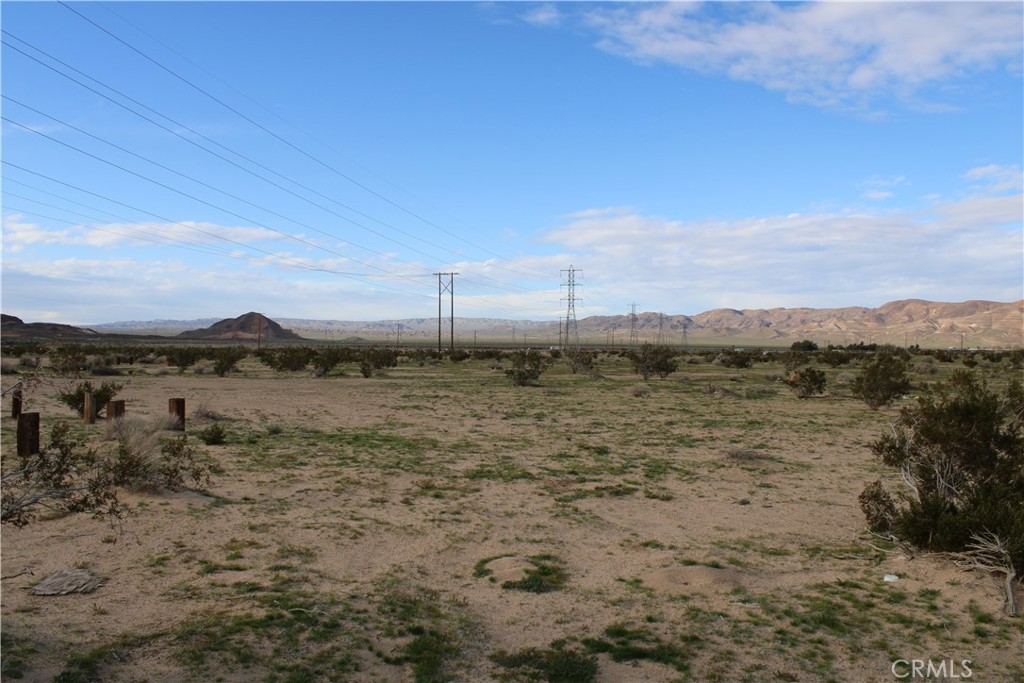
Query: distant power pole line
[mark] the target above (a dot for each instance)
(572, 332)
(632, 324)
(443, 287)
(661, 329)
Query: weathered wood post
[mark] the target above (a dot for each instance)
(176, 407)
(28, 434)
(16, 399)
(89, 409)
(115, 410)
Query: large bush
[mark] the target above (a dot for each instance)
(74, 397)
(960, 452)
(653, 360)
(527, 367)
(882, 379)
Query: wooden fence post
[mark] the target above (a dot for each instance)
(89, 409)
(16, 398)
(176, 407)
(28, 434)
(115, 410)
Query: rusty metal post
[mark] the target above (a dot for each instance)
(176, 407)
(28, 434)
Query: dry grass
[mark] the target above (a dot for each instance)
(694, 535)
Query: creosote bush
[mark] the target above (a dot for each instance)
(882, 379)
(74, 397)
(807, 382)
(527, 367)
(960, 452)
(64, 476)
(225, 359)
(653, 360)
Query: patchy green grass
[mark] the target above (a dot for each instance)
(547, 574)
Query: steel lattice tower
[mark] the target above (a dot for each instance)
(572, 332)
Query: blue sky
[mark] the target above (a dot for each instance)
(324, 160)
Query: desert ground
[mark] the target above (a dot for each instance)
(435, 522)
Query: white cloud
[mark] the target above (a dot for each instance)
(833, 54)
(952, 250)
(19, 233)
(997, 178)
(544, 15)
(879, 189)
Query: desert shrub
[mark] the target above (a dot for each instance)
(793, 360)
(74, 397)
(734, 359)
(835, 357)
(183, 357)
(366, 368)
(580, 360)
(326, 359)
(653, 360)
(803, 346)
(458, 355)
(960, 451)
(380, 358)
(527, 367)
(882, 379)
(286, 358)
(146, 460)
(641, 391)
(807, 382)
(68, 359)
(225, 359)
(214, 435)
(64, 476)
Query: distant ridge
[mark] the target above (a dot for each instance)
(250, 326)
(972, 324)
(12, 327)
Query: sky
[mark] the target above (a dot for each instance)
(325, 160)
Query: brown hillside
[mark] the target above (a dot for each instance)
(248, 327)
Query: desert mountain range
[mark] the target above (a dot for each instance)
(973, 324)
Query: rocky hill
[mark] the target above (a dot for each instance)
(248, 327)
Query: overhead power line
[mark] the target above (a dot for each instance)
(275, 135)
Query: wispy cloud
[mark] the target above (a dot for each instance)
(831, 54)
(879, 189)
(20, 233)
(544, 15)
(950, 250)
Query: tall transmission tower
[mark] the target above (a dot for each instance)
(443, 287)
(572, 333)
(632, 324)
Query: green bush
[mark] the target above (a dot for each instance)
(214, 435)
(653, 360)
(68, 359)
(882, 379)
(225, 359)
(527, 367)
(961, 452)
(286, 358)
(807, 382)
(75, 398)
(183, 357)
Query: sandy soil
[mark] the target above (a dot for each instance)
(727, 520)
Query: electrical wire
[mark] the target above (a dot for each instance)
(275, 135)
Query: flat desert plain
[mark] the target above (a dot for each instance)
(437, 523)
